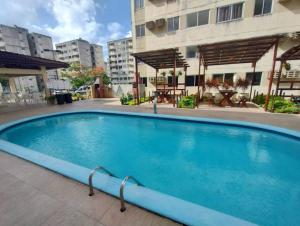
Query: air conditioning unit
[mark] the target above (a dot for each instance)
(160, 22)
(150, 25)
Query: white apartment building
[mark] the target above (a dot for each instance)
(185, 24)
(14, 39)
(80, 51)
(121, 63)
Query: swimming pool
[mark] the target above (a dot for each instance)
(195, 171)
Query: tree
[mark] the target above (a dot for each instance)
(79, 75)
(99, 72)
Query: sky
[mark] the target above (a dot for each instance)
(96, 21)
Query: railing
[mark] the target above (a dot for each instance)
(122, 200)
(91, 177)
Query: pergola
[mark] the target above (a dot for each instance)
(237, 52)
(161, 59)
(291, 54)
(17, 65)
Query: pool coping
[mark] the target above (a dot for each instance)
(169, 206)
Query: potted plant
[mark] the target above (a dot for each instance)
(179, 73)
(50, 100)
(287, 66)
(243, 85)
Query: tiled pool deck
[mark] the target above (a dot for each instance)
(31, 195)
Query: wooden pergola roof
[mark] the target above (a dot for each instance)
(163, 58)
(19, 61)
(236, 51)
(291, 54)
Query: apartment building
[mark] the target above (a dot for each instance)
(42, 46)
(97, 56)
(80, 51)
(121, 63)
(14, 39)
(185, 24)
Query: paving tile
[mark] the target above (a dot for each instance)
(68, 217)
(133, 216)
(26, 206)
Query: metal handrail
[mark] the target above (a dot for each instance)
(91, 177)
(123, 208)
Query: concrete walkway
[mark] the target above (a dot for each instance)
(31, 196)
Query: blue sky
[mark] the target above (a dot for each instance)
(97, 21)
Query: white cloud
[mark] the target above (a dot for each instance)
(75, 18)
(16, 12)
(115, 30)
(129, 34)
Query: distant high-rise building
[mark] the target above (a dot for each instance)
(82, 52)
(14, 39)
(42, 46)
(121, 65)
(97, 56)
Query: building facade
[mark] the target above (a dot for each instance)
(97, 56)
(14, 39)
(185, 24)
(121, 63)
(42, 46)
(82, 52)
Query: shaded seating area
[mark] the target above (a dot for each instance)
(243, 51)
(163, 59)
(293, 84)
(14, 65)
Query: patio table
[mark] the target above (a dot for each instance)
(227, 94)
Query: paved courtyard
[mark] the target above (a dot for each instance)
(31, 195)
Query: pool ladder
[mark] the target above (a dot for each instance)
(91, 177)
(122, 186)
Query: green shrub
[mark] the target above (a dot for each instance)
(187, 102)
(259, 99)
(281, 105)
(77, 96)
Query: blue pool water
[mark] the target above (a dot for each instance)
(244, 172)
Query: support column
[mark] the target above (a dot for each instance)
(137, 80)
(279, 77)
(199, 72)
(253, 78)
(203, 85)
(156, 79)
(12, 85)
(185, 71)
(174, 80)
(272, 74)
(45, 80)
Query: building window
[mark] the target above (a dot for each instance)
(170, 81)
(140, 30)
(230, 12)
(262, 7)
(191, 52)
(191, 80)
(138, 4)
(144, 81)
(227, 77)
(197, 19)
(173, 23)
(256, 78)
